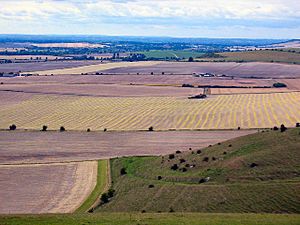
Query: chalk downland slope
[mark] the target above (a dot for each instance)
(257, 173)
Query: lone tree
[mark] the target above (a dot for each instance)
(191, 59)
(282, 128)
(62, 129)
(12, 127)
(44, 128)
(150, 128)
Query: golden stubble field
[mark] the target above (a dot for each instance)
(46, 188)
(163, 113)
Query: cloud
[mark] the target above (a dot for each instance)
(194, 14)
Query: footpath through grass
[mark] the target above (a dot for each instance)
(153, 218)
(101, 186)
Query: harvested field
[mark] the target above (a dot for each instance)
(221, 91)
(291, 83)
(262, 56)
(94, 68)
(29, 67)
(171, 80)
(47, 188)
(33, 147)
(163, 113)
(103, 90)
(23, 57)
(251, 69)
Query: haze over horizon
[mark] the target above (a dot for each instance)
(276, 19)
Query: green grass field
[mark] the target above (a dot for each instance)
(163, 54)
(258, 56)
(271, 185)
(102, 180)
(152, 219)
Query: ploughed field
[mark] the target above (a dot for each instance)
(101, 90)
(34, 66)
(163, 113)
(251, 69)
(23, 147)
(46, 188)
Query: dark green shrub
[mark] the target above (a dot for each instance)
(123, 171)
(104, 198)
(12, 127)
(44, 128)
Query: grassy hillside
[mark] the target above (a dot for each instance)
(152, 219)
(102, 183)
(258, 56)
(255, 173)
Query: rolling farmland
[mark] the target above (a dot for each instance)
(50, 65)
(262, 56)
(250, 69)
(46, 188)
(96, 67)
(23, 147)
(163, 113)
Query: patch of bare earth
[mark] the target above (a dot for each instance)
(33, 147)
(46, 188)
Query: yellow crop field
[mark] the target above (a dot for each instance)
(215, 112)
(94, 68)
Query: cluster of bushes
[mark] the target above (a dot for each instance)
(187, 85)
(279, 85)
(105, 197)
(282, 128)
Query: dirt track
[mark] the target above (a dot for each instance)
(33, 147)
(55, 188)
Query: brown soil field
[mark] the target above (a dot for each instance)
(33, 146)
(34, 66)
(46, 188)
(221, 91)
(175, 80)
(251, 69)
(293, 84)
(103, 90)
(96, 67)
(134, 85)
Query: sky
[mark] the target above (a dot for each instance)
(181, 18)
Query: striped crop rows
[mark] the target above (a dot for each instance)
(217, 112)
